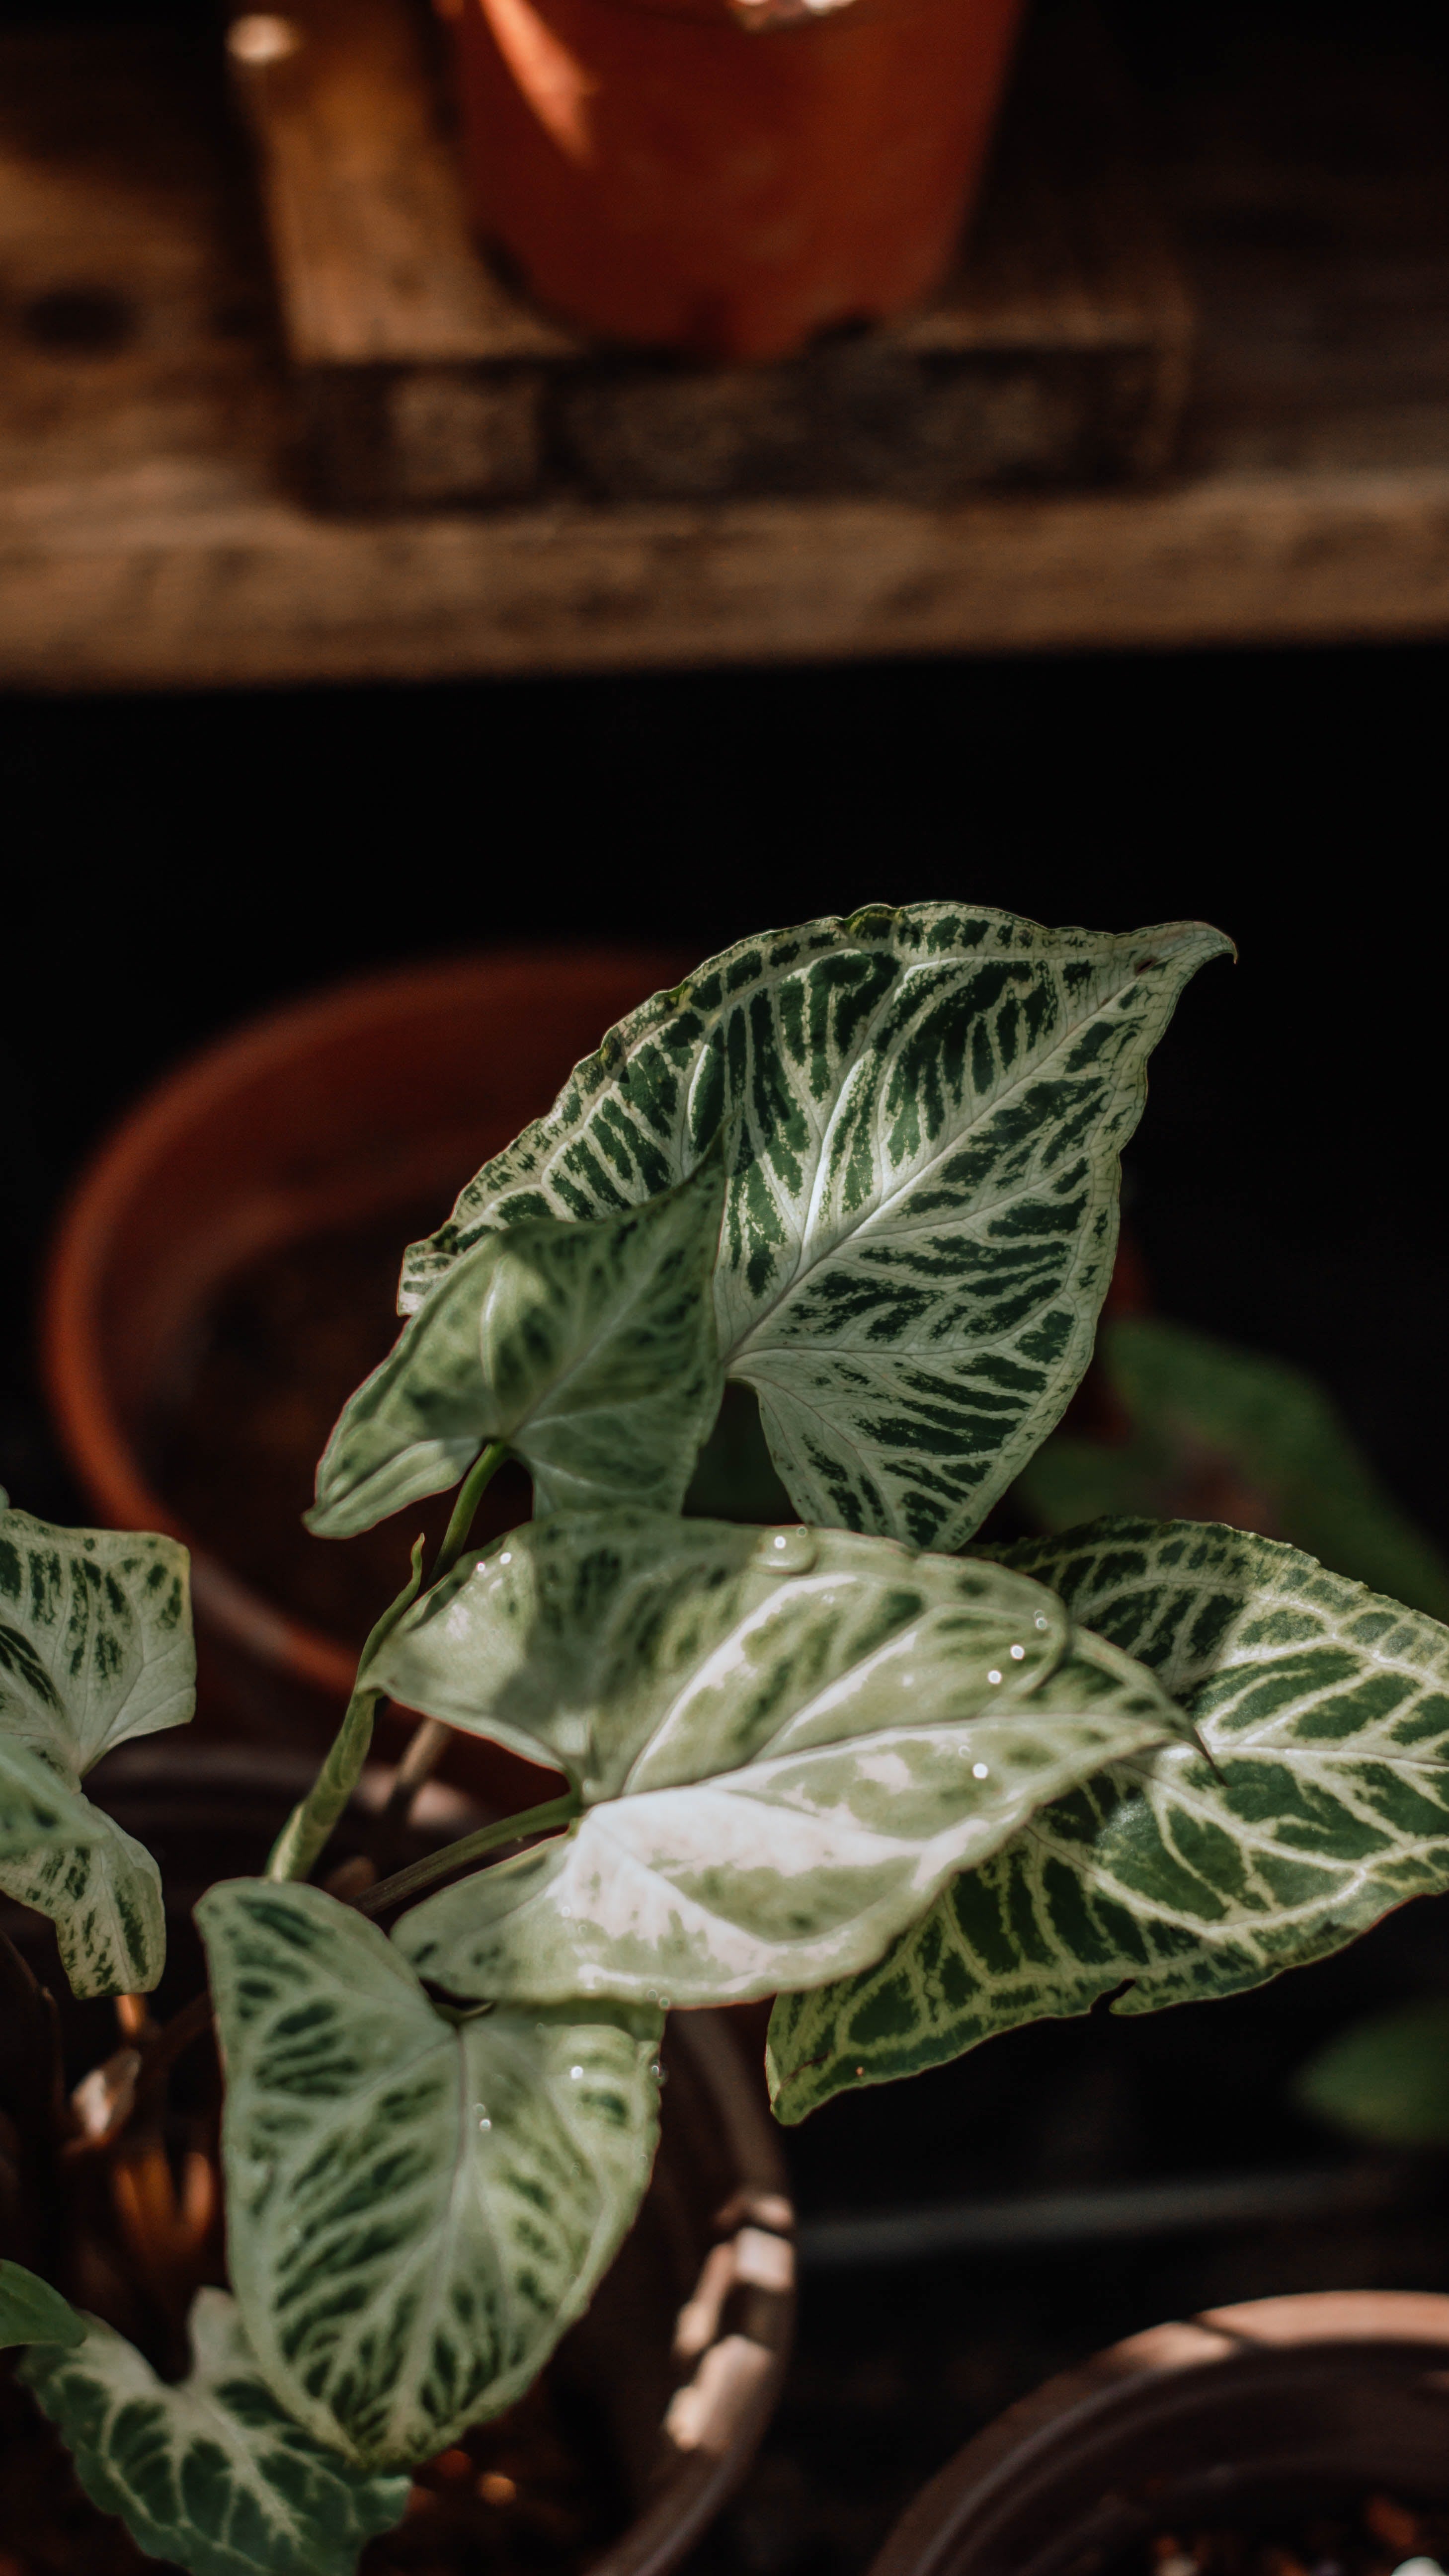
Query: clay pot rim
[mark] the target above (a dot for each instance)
(93, 1435)
(1080, 2404)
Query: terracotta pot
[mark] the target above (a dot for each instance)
(678, 2362)
(1284, 2400)
(666, 173)
(377, 1100)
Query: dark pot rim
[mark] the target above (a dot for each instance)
(1096, 2427)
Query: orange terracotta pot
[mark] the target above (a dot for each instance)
(667, 173)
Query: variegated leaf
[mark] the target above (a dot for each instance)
(1324, 1711)
(417, 2206)
(589, 1349)
(104, 1896)
(95, 1647)
(40, 1814)
(923, 1111)
(32, 2312)
(784, 1741)
(95, 1638)
(210, 2474)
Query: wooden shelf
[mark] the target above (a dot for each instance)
(154, 529)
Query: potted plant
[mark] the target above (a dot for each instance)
(868, 1168)
(727, 177)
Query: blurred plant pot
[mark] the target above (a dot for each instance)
(651, 2408)
(728, 177)
(1279, 2404)
(223, 1276)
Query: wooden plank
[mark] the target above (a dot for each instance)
(152, 534)
(1057, 350)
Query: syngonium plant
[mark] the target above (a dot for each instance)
(920, 1793)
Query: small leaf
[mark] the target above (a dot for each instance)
(210, 2474)
(32, 2312)
(1386, 2078)
(1222, 1434)
(784, 1741)
(1325, 1710)
(416, 2207)
(95, 1648)
(95, 1638)
(105, 1899)
(588, 1348)
(924, 1109)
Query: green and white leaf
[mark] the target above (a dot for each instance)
(41, 1816)
(95, 1648)
(923, 1111)
(102, 1891)
(1221, 1434)
(588, 1348)
(32, 2312)
(783, 1741)
(417, 2206)
(210, 2474)
(1325, 1711)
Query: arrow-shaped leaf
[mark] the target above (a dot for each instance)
(784, 1741)
(211, 2474)
(95, 1648)
(589, 1349)
(1325, 1711)
(416, 2207)
(923, 1111)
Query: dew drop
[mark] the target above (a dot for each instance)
(485, 2124)
(993, 1677)
(787, 1551)
(980, 1770)
(1041, 1618)
(664, 2003)
(507, 1557)
(575, 2072)
(1016, 1653)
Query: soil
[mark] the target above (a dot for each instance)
(1370, 2535)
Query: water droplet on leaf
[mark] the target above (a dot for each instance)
(787, 1551)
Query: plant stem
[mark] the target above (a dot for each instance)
(309, 1827)
(554, 1813)
(470, 1494)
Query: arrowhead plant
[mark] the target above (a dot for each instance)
(918, 1790)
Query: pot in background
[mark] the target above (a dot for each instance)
(728, 180)
(351, 1117)
(1243, 2409)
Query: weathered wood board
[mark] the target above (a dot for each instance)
(1056, 352)
(154, 531)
